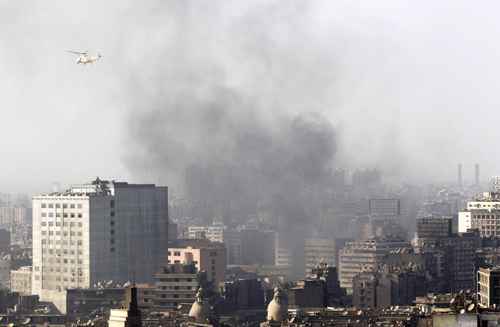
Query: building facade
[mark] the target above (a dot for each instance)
(488, 287)
(97, 232)
(208, 257)
(482, 214)
(363, 256)
(319, 250)
(20, 280)
(175, 284)
(434, 227)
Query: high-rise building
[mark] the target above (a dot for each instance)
(4, 241)
(5, 264)
(434, 227)
(363, 256)
(97, 232)
(483, 214)
(319, 250)
(488, 287)
(207, 256)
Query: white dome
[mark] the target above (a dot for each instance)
(277, 310)
(200, 310)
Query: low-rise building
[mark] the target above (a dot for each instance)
(175, 284)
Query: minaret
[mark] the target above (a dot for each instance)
(130, 315)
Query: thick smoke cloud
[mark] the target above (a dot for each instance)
(406, 84)
(233, 114)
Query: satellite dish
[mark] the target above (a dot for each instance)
(462, 311)
(26, 321)
(471, 307)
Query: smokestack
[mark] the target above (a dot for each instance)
(476, 174)
(460, 181)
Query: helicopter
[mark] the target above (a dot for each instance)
(85, 58)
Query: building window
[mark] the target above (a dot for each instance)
(177, 253)
(112, 203)
(79, 215)
(79, 205)
(58, 205)
(112, 213)
(65, 205)
(44, 214)
(44, 205)
(51, 205)
(72, 206)
(72, 215)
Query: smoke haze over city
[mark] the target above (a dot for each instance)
(275, 88)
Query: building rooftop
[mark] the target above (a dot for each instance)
(195, 243)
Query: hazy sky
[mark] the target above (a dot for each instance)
(410, 86)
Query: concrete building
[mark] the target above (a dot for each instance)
(482, 214)
(363, 256)
(456, 256)
(207, 256)
(5, 264)
(434, 227)
(214, 233)
(97, 232)
(319, 250)
(14, 216)
(364, 294)
(175, 284)
(385, 289)
(243, 294)
(20, 280)
(307, 293)
(384, 208)
(4, 241)
(82, 302)
(488, 287)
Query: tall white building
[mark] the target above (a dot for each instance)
(96, 232)
(363, 256)
(482, 214)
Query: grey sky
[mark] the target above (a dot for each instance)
(410, 86)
